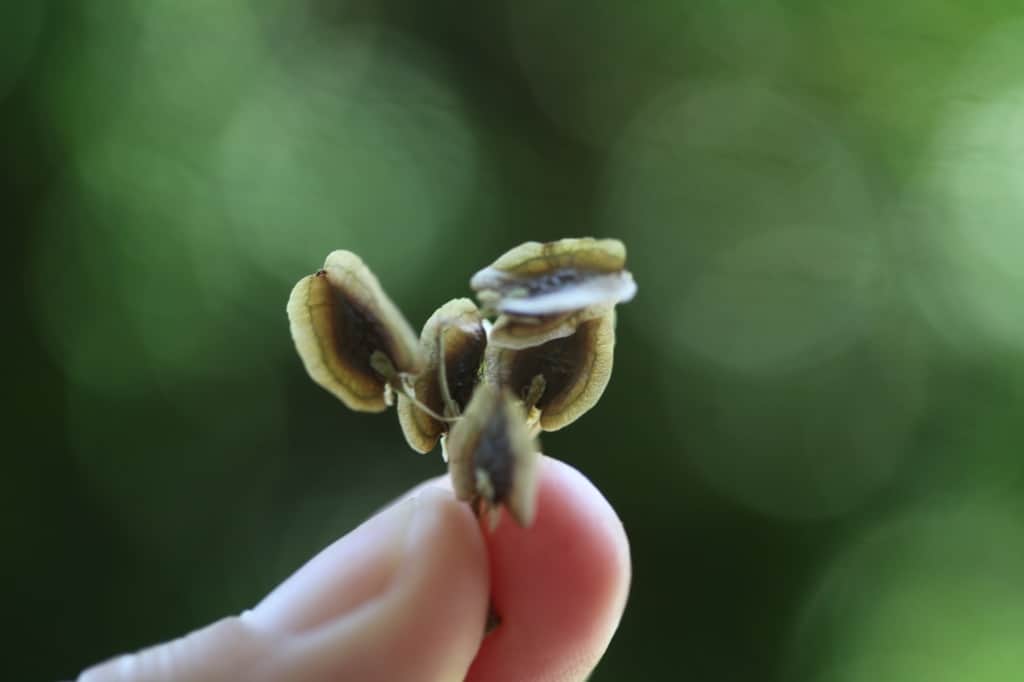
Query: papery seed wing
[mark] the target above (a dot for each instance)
(491, 456)
(457, 329)
(543, 291)
(345, 328)
(575, 368)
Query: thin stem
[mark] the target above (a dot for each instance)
(415, 401)
(396, 381)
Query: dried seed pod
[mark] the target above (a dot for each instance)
(544, 291)
(492, 457)
(452, 346)
(562, 378)
(352, 339)
(519, 332)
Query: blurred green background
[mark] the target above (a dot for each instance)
(814, 433)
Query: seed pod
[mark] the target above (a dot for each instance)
(544, 291)
(352, 339)
(520, 332)
(447, 381)
(562, 378)
(492, 457)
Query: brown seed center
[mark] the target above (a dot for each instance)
(357, 334)
(558, 361)
(493, 456)
(461, 372)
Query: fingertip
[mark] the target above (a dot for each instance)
(560, 586)
(443, 593)
(428, 624)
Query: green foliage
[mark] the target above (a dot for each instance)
(813, 432)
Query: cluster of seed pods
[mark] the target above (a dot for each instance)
(483, 390)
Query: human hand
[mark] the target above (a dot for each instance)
(405, 597)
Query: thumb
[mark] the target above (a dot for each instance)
(402, 597)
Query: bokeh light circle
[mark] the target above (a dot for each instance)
(592, 67)
(931, 594)
(363, 146)
(780, 297)
(815, 444)
(781, 300)
(969, 198)
(779, 266)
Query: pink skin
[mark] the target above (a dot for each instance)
(405, 596)
(560, 586)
